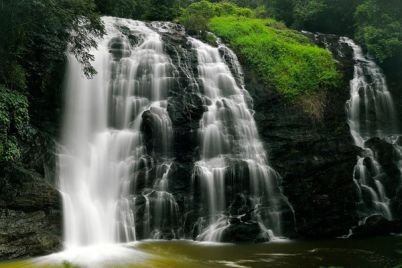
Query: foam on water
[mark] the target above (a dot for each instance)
(97, 256)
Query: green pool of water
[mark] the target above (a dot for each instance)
(374, 252)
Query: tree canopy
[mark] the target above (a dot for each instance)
(34, 38)
(141, 9)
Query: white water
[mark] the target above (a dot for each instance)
(103, 149)
(116, 153)
(94, 256)
(228, 132)
(371, 113)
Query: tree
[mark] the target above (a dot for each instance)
(161, 9)
(329, 16)
(47, 32)
(134, 9)
(281, 10)
(379, 28)
(34, 38)
(196, 16)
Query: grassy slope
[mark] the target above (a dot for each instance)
(282, 57)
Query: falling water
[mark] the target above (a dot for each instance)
(105, 158)
(371, 113)
(118, 158)
(228, 136)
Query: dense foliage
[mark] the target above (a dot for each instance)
(379, 27)
(332, 16)
(34, 38)
(282, 57)
(376, 24)
(140, 9)
(196, 16)
(13, 121)
(46, 32)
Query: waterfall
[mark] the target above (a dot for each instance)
(106, 167)
(370, 112)
(229, 140)
(121, 173)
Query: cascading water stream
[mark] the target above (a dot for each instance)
(104, 155)
(371, 113)
(118, 157)
(228, 136)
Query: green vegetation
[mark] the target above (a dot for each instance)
(30, 37)
(331, 16)
(376, 24)
(196, 16)
(140, 9)
(13, 121)
(34, 38)
(379, 27)
(282, 57)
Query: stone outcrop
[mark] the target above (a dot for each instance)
(315, 158)
(30, 215)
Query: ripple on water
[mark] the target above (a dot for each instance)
(366, 253)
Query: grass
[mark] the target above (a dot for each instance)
(283, 58)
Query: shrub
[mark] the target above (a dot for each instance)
(13, 121)
(283, 58)
(379, 25)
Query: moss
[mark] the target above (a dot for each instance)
(283, 58)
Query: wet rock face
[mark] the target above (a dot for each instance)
(315, 159)
(245, 232)
(388, 155)
(30, 214)
(185, 108)
(383, 170)
(377, 225)
(28, 233)
(119, 48)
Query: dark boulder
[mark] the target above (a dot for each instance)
(241, 232)
(119, 48)
(377, 225)
(30, 215)
(28, 233)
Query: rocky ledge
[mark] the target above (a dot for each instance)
(30, 214)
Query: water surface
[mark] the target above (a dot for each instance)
(365, 253)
